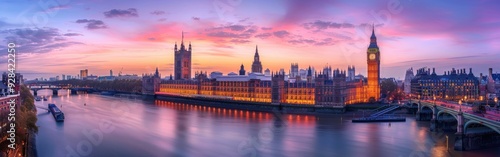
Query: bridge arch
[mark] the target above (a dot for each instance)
(470, 122)
(426, 106)
(446, 112)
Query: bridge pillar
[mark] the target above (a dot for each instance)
(419, 106)
(35, 92)
(73, 92)
(459, 136)
(418, 112)
(434, 125)
(434, 121)
(55, 92)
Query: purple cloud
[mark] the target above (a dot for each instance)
(39, 40)
(158, 12)
(263, 35)
(319, 25)
(131, 12)
(232, 31)
(239, 41)
(236, 27)
(58, 7)
(196, 18)
(72, 34)
(92, 24)
(222, 34)
(266, 28)
(281, 34)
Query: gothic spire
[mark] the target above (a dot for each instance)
(156, 72)
(373, 31)
(256, 51)
(373, 39)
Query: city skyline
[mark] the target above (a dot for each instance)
(77, 35)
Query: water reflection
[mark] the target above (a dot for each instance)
(218, 112)
(163, 128)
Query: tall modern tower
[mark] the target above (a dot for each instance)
(182, 65)
(373, 59)
(256, 65)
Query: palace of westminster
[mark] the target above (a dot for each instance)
(327, 88)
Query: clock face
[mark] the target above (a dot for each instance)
(372, 56)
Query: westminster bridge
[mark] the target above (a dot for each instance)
(474, 130)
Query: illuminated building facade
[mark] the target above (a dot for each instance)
(452, 85)
(84, 74)
(329, 88)
(373, 58)
(182, 68)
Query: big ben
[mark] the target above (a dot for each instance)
(373, 59)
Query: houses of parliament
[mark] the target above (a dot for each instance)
(327, 88)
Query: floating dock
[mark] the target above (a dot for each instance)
(380, 117)
(56, 112)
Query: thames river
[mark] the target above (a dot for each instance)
(107, 126)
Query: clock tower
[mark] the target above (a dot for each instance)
(373, 59)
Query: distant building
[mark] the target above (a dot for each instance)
(182, 56)
(3, 90)
(128, 77)
(91, 77)
(215, 74)
(151, 83)
(18, 80)
(256, 65)
(84, 74)
(452, 85)
(242, 70)
(267, 72)
(351, 73)
(106, 78)
(294, 70)
(68, 77)
(110, 72)
(63, 77)
(490, 84)
(407, 82)
(327, 72)
(303, 74)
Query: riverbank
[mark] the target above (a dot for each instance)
(31, 150)
(267, 107)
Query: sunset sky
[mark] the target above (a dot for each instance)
(57, 37)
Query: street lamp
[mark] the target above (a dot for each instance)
(460, 104)
(434, 100)
(496, 102)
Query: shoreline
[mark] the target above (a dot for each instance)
(268, 107)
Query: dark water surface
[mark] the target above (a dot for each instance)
(110, 126)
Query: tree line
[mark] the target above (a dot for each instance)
(129, 86)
